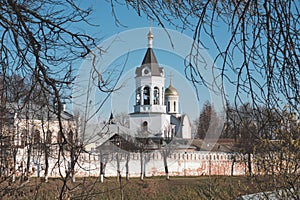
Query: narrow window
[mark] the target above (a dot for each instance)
(156, 96)
(146, 95)
(163, 96)
(138, 96)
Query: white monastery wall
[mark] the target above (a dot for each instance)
(179, 164)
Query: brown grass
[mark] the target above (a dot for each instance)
(204, 187)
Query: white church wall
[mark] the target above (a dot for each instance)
(177, 123)
(32, 125)
(173, 103)
(186, 127)
(150, 81)
(156, 122)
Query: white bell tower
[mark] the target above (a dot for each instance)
(149, 83)
(156, 111)
(149, 116)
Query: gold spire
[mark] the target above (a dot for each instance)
(150, 38)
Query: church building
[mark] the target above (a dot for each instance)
(156, 110)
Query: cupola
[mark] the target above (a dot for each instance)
(172, 100)
(171, 91)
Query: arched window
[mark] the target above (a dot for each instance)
(146, 95)
(174, 106)
(156, 96)
(163, 95)
(138, 96)
(145, 126)
(168, 106)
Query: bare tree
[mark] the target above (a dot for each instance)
(259, 58)
(40, 44)
(165, 153)
(263, 34)
(122, 119)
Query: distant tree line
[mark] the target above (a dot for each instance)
(245, 124)
(269, 134)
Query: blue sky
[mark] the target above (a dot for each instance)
(135, 29)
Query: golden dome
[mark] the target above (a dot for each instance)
(171, 91)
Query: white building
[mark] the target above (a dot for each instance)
(156, 110)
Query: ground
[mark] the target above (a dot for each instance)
(204, 187)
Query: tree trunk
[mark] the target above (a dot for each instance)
(73, 176)
(101, 173)
(249, 164)
(101, 168)
(46, 163)
(142, 165)
(28, 163)
(119, 177)
(127, 166)
(118, 167)
(166, 165)
(232, 167)
(73, 162)
(14, 165)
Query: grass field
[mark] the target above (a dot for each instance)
(204, 187)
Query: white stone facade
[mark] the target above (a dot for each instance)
(154, 123)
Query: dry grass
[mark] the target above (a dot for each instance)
(217, 187)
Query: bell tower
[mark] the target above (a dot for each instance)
(149, 83)
(149, 116)
(156, 111)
